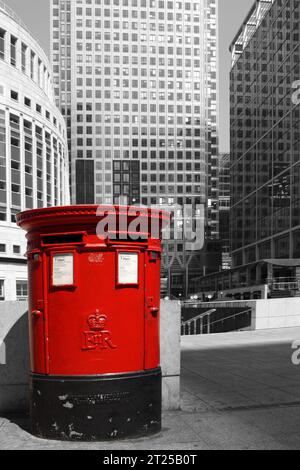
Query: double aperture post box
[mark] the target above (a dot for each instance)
(94, 314)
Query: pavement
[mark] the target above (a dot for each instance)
(239, 391)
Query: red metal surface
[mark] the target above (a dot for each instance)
(92, 324)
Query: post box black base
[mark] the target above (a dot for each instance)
(96, 408)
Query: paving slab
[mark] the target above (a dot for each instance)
(255, 365)
(238, 391)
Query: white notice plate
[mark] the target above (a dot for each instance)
(63, 269)
(128, 268)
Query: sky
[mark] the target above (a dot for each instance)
(35, 14)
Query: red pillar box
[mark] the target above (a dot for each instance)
(94, 300)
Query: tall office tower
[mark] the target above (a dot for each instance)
(265, 140)
(33, 145)
(224, 208)
(137, 82)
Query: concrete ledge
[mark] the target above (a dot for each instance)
(14, 372)
(268, 314)
(14, 360)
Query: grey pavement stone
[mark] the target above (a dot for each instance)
(176, 434)
(238, 391)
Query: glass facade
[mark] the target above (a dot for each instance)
(265, 123)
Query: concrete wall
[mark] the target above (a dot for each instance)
(14, 369)
(14, 357)
(277, 313)
(170, 353)
(268, 313)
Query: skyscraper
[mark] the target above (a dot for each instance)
(265, 134)
(137, 82)
(265, 159)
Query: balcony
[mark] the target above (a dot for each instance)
(284, 286)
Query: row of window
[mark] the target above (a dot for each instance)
(126, 189)
(134, 49)
(28, 62)
(152, 108)
(152, 178)
(154, 200)
(14, 95)
(153, 131)
(16, 249)
(142, 14)
(144, 155)
(65, 92)
(161, 143)
(188, 5)
(170, 39)
(107, 35)
(171, 178)
(162, 120)
(97, 58)
(32, 167)
(21, 289)
(144, 108)
(144, 72)
(170, 201)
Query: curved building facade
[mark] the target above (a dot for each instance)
(33, 145)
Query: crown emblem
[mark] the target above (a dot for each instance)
(97, 321)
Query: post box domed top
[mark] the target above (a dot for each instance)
(87, 217)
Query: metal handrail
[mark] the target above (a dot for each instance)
(285, 286)
(284, 283)
(233, 316)
(189, 322)
(202, 315)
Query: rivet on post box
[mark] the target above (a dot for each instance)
(94, 312)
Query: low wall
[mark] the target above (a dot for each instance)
(277, 313)
(268, 313)
(14, 357)
(170, 353)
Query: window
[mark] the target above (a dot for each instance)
(32, 60)
(22, 290)
(13, 43)
(15, 188)
(2, 213)
(24, 53)
(14, 95)
(2, 296)
(39, 77)
(2, 248)
(14, 142)
(2, 44)
(15, 165)
(27, 102)
(16, 249)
